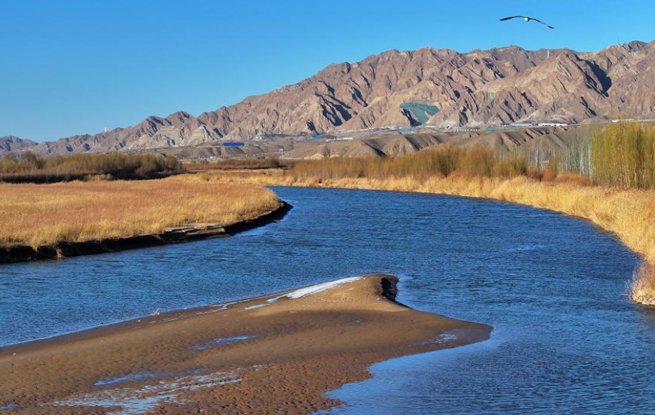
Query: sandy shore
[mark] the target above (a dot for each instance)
(277, 354)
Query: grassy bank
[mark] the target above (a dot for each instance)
(43, 215)
(629, 213)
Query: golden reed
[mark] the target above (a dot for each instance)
(38, 215)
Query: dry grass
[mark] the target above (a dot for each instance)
(629, 213)
(46, 214)
(233, 164)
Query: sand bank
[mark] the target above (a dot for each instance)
(269, 355)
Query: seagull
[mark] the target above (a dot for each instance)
(527, 19)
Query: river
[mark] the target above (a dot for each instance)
(566, 339)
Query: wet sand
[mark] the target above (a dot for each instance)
(276, 354)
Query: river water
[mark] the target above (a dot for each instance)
(566, 339)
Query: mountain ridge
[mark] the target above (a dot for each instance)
(472, 89)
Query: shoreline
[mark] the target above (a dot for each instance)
(25, 253)
(278, 353)
(626, 213)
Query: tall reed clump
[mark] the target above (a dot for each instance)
(37, 215)
(623, 155)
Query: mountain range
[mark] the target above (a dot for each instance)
(435, 87)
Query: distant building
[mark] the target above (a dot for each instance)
(552, 124)
(624, 120)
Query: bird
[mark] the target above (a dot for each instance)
(527, 19)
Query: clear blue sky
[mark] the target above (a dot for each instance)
(73, 67)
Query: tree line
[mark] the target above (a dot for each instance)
(623, 155)
(442, 161)
(618, 155)
(115, 164)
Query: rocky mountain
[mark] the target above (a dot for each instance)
(14, 144)
(442, 88)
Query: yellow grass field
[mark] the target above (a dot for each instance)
(38, 215)
(629, 213)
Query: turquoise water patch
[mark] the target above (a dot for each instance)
(419, 111)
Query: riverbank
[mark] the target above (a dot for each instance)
(71, 219)
(630, 213)
(278, 353)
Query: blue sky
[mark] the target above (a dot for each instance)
(74, 67)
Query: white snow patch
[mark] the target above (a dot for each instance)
(314, 289)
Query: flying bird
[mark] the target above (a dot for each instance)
(527, 19)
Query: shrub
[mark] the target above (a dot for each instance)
(574, 178)
(548, 175)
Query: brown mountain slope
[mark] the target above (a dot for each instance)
(502, 141)
(14, 144)
(468, 89)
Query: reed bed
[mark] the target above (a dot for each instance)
(38, 215)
